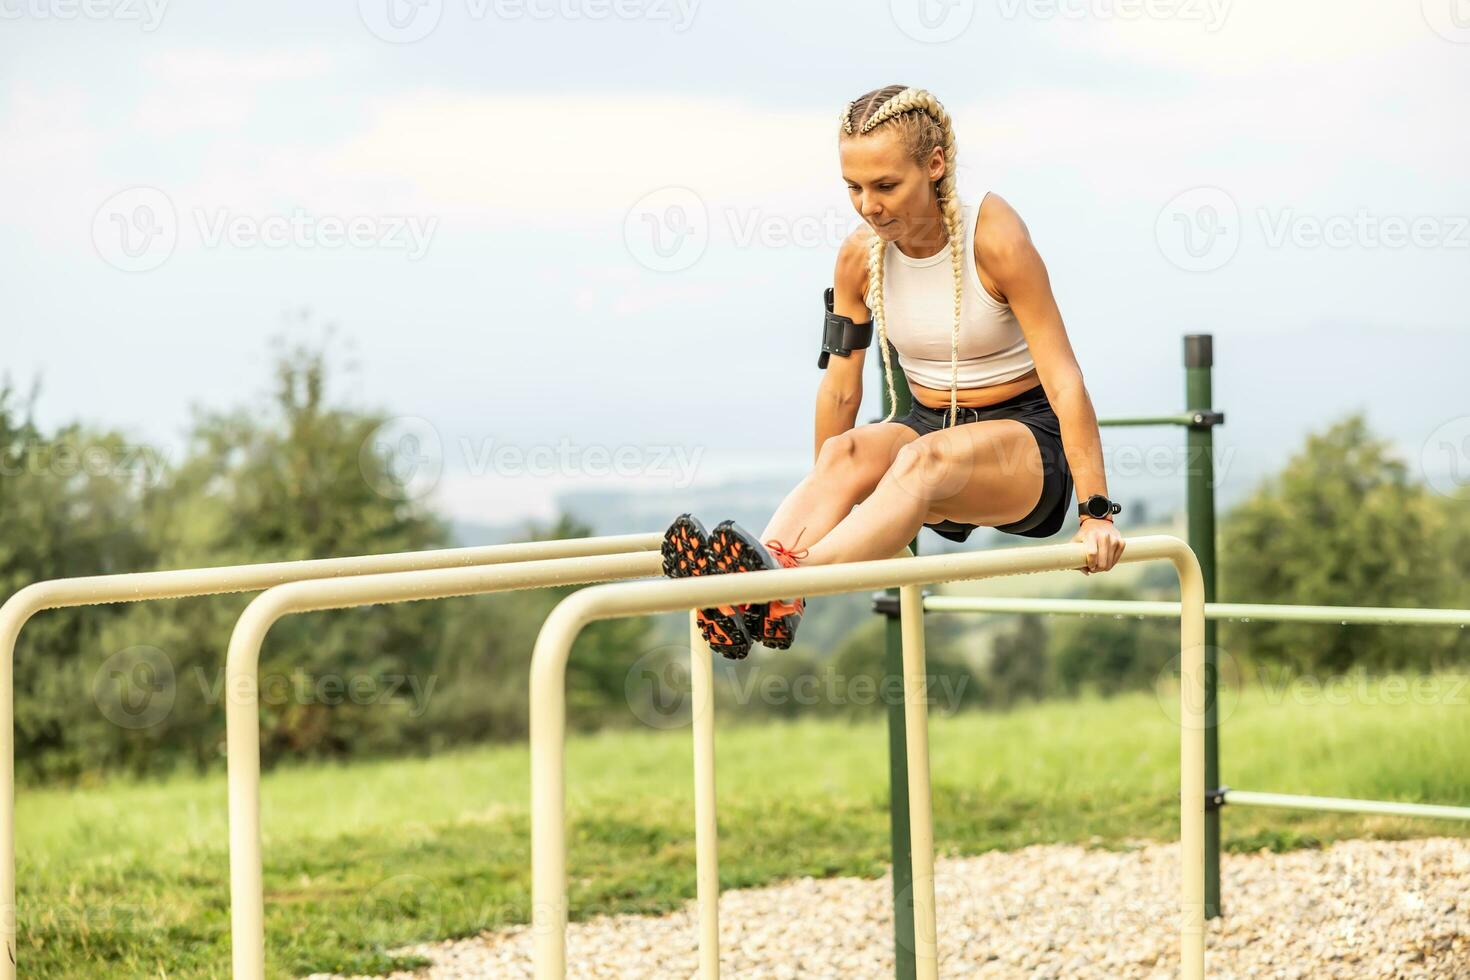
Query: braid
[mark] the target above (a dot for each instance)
(880, 318)
(895, 103)
(956, 250)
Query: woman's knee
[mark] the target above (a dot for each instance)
(851, 459)
(919, 456)
(930, 470)
(839, 454)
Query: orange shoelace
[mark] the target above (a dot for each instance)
(785, 555)
(788, 559)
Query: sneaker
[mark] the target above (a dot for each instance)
(733, 549)
(685, 551)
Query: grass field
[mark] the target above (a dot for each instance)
(131, 880)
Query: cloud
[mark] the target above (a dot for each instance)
(52, 149)
(561, 156)
(215, 66)
(207, 89)
(624, 290)
(1227, 37)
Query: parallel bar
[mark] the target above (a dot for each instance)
(242, 696)
(919, 894)
(1194, 681)
(182, 583)
(1243, 611)
(1330, 804)
(706, 825)
(921, 806)
(553, 645)
(900, 833)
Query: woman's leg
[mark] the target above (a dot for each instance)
(847, 470)
(979, 473)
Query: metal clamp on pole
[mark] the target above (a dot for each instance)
(886, 603)
(1215, 798)
(1206, 419)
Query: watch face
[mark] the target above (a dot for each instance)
(1097, 507)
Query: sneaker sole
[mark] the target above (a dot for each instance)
(732, 548)
(685, 552)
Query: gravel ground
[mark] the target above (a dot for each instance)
(1354, 909)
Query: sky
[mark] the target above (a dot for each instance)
(564, 242)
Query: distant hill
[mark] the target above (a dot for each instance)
(751, 502)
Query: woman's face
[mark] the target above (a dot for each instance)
(893, 195)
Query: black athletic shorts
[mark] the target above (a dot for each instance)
(1032, 409)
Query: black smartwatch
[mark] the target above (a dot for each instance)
(1099, 507)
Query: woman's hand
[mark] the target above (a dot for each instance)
(1104, 544)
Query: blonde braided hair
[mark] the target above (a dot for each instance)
(923, 124)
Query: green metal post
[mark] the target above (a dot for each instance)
(1199, 360)
(898, 767)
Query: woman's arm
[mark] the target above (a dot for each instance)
(1005, 252)
(841, 390)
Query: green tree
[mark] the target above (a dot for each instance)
(1109, 655)
(1455, 518)
(283, 483)
(953, 685)
(70, 505)
(1341, 524)
(141, 686)
(1020, 665)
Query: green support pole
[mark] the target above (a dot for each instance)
(886, 603)
(1199, 362)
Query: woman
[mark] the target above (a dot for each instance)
(1000, 448)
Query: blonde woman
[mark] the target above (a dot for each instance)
(1002, 429)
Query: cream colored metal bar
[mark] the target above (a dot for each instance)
(1243, 611)
(242, 696)
(706, 828)
(181, 583)
(921, 807)
(706, 832)
(1336, 805)
(548, 697)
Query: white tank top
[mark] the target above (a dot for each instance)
(918, 300)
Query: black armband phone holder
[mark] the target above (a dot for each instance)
(840, 335)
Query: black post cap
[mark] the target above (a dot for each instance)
(1199, 350)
